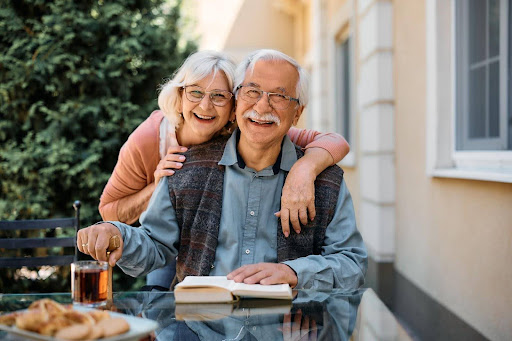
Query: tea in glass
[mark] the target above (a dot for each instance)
(89, 282)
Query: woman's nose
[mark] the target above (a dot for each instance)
(206, 102)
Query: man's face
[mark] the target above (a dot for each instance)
(271, 76)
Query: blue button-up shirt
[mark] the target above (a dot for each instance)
(247, 232)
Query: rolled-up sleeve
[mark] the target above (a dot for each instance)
(343, 261)
(156, 241)
(333, 143)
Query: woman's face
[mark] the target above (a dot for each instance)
(201, 120)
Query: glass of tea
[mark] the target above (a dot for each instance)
(89, 282)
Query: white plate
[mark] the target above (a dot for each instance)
(139, 327)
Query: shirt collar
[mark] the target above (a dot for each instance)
(287, 156)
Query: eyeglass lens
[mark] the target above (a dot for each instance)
(218, 97)
(253, 95)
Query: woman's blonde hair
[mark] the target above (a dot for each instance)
(196, 67)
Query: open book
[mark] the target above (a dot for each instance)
(196, 289)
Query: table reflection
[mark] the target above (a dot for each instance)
(312, 315)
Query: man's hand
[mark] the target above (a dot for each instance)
(302, 328)
(264, 273)
(94, 241)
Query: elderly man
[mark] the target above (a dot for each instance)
(216, 213)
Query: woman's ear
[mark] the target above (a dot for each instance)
(179, 104)
(232, 115)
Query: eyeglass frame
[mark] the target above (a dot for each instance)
(184, 88)
(290, 98)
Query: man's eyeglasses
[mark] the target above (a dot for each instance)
(276, 100)
(196, 93)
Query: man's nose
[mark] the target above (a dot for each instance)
(206, 102)
(263, 104)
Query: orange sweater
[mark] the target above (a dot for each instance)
(140, 156)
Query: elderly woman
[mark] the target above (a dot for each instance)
(196, 105)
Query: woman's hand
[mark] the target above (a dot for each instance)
(172, 160)
(94, 241)
(298, 198)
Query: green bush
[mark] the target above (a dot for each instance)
(76, 77)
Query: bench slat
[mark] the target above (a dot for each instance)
(28, 243)
(18, 262)
(37, 224)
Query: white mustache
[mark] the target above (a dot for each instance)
(267, 117)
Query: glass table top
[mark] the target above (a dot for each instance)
(311, 315)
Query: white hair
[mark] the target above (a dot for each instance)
(302, 88)
(197, 66)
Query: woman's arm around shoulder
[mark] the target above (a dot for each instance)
(298, 198)
(333, 143)
(130, 186)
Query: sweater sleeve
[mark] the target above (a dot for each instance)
(135, 167)
(334, 143)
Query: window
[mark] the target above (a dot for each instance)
(482, 73)
(469, 132)
(343, 90)
(343, 86)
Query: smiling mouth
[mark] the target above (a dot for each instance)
(204, 118)
(261, 122)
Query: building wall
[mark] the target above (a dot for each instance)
(238, 27)
(453, 237)
(211, 31)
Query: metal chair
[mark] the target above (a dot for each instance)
(51, 240)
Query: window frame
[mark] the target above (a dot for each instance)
(442, 158)
(345, 34)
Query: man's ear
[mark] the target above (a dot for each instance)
(297, 115)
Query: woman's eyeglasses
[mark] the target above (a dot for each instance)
(196, 93)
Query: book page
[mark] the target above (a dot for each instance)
(202, 295)
(261, 288)
(258, 290)
(207, 281)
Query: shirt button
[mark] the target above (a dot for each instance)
(254, 328)
(247, 251)
(252, 212)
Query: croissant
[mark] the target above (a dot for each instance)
(32, 319)
(9, 319)
(51, 318)
(98, 315)
(54, 325)
(49, 305)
